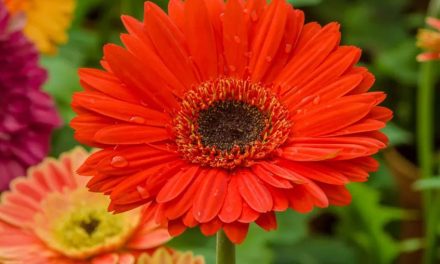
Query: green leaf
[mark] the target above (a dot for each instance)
(196, 242)
(364, 223)
(62, 141)
(62, 83)
(317, 250)
(427, 184)
(397, 135)
(299, 3)
(259, 246)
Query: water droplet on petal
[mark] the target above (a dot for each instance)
(137, 120)
(232, 68)
(254, 16)
(288, 48)
(316, 100)
(144, 103)
(268, 58)
(142, 192)
(119, 162)
(248, 54)
(237, 39)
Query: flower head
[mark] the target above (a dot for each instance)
(27, 114)
(220, 114)
(429, 40)
(50, 217)
(46, 21)
(163, 256)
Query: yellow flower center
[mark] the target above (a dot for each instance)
(77, 224)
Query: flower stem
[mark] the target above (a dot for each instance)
(425, 150)
(425, 119)
(225, 249)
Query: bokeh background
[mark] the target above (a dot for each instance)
(384, 222)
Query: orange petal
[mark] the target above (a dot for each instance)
(210, 228)
(267, 221)
(236, 232)
(235, 37)
(337, 195)
(232, 206)
(133, 113)
(268, 38)
(211, 195)
(201, 39)
(169, 43)
(177, 184)
(130, 134)
(254, 192)
(270, 178)
(131, 71)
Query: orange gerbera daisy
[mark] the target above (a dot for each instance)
(221, 114)
(429, 40)
(50, 217)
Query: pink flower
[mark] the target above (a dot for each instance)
(27, 114)
(50, 217)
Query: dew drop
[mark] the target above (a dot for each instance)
(237, 39)
(222, 16)
(288, 48)
(144, 103)
(232, 68)
(137, 120)
(142, 192)
(316, 100)
(268, 58)
(119, 162)
(254, 16)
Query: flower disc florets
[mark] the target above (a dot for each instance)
(228, 123)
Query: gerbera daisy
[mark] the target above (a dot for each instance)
(163, 256)
(50, 217)
(429, 40)
(47, 21)
(27, 114)
(220, 114)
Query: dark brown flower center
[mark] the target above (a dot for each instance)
(228, 123)
(89, 225)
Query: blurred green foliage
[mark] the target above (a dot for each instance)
(385, 30)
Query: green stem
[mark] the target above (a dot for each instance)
(425, 119)
(425, 151)
(225, 249)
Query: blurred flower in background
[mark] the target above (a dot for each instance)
(222, 114)
(27, 114)
(429, 40)
(163, 256)
(47, 21)
(50, 217)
